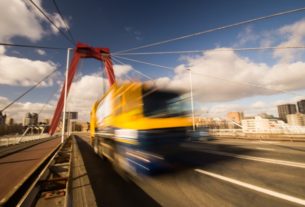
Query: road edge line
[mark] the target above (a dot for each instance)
(255, 188)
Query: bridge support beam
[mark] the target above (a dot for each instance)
(81, 51)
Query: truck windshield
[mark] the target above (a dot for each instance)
(164, 104)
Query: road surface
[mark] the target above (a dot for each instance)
(221, 173)
(109, 188)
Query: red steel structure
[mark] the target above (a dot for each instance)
(82, 51)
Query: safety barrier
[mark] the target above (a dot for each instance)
(7, 141)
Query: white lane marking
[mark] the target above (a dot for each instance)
(259, 159)
(250, 141)
(255, 188)
(256, 148)
(263, 148)
(270, 142)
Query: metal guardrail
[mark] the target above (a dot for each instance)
(14, 194)
(7, 141)
(239, 134)
(51, 186)
(271, 131)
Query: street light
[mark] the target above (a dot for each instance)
(192, 100)
(65, 97)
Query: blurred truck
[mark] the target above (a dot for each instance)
(139, 127)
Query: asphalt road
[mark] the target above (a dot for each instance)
(109, 188)
(216, 173)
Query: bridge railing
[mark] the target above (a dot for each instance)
(12, 140)
(283, 135)
(296, 130)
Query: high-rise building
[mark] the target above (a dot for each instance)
(27, 120)
(30, 119)
(235, 116)
(285, 109)
(9, 121)
(296, 119)
(2, 118)
(301, 106)
(34, 118)
(70, 117)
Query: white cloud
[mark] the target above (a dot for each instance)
(220, 110)
(267, 39)
(19, 109)
(58, 21)
(258, 104)
(23, 20)
(41, 52)
(252, 109)
(285, 36)
(84, 93)
(297, 98)
(18, 20)
(292, 100)
(121, 70)
(24, 72)
(224, 76)
(246, 36)
(292, 35)
(89, 88)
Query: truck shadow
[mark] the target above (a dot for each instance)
(201, 154)
(109, 188)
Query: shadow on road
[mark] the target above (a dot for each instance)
(293, 148)
(109, 188)
(192, 155)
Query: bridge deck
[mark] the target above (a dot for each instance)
(15, 168)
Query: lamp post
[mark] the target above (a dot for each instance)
(65, 97)
(192, 99)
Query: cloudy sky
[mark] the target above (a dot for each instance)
(223, 80)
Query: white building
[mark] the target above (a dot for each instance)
(296, 119)
(261, 125)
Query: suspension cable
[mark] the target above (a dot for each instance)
(146, 63)
(215, 49)
(32, 46)
(137, 71)
(48, 101)
(214, 29)
(117, 62)
(50, 21)
(61, 16)
(29, 90)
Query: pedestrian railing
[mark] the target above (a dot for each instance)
(7, 141)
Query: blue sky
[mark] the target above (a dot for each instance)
(121, 25)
